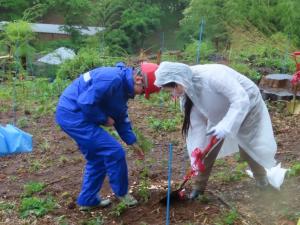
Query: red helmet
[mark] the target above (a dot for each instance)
(147, 70)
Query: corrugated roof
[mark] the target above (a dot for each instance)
(58, 29)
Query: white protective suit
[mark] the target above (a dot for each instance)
(223, 97)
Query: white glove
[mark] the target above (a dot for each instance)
(217, 131)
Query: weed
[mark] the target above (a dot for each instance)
(32, 187)
(144, 143)
(36, 206)
(63, 160)
(6, 207)
(119, 209)
(203, 199)
(288, 214)
(235, 175)
(61, 220)
(237, 157)
(22, 122)
(45, 145)
(220, 162)
(164, 125)
(228, 218)
(13, 178)
(143, 191)
(295, 170)
(35, 166)
(95, 221)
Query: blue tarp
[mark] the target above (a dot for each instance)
(13, 140)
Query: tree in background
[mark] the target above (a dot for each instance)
(127, 22)
(215, 21)
(268, 17)
(17, 37)
(287, 18)
(139, 21)
(12, 9)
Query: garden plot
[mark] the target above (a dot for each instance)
(41, 187)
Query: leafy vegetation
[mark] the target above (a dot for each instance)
(32, 187)
(268, 17)
(119, 209)
(164, 124)
(34, 206)
(144, 143)
(294, 170)
(229, 218)
(229, 175)
(144, 184)
(85, 60)
(94, 221)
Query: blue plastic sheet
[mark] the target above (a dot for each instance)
(13, 140)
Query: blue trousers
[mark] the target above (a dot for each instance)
(103, 154)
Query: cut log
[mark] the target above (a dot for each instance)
(277, 87)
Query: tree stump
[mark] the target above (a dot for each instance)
(277, 87)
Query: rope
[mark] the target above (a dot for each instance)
(169, 183)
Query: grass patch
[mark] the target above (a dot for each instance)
(228, 218)
(32, 188)
(232, 175)
(34, 206)
(95, 221)
(295, 170)
(164, 124)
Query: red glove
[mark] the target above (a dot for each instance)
(296, 78)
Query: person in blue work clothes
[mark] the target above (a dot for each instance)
(99, 97)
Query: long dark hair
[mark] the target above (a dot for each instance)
(188, 105)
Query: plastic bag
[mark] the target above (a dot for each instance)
(13, 140)
(275, 175)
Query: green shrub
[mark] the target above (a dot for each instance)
(247, 71)
(85, 60)
(206, 50)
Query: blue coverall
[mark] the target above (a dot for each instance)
(82, 108)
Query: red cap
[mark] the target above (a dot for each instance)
(148, 70)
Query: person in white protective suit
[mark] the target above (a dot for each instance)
(218, 100)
